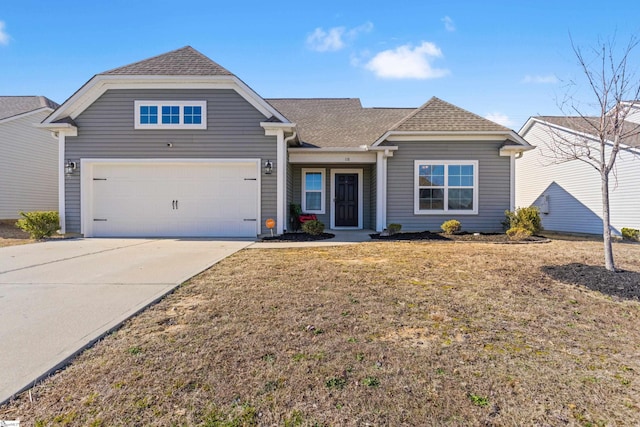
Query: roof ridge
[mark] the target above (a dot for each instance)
(146, 59)
(183, 61)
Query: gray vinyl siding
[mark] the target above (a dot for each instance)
(572, 189)
(493, 184)
(367, 197)
(28, 167)
(106, 130)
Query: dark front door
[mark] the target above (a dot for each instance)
(346, 208)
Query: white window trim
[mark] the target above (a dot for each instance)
(445, 211)
(322, 190)
(160, 104)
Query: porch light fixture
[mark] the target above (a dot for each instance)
(268, 167)
(69, 167)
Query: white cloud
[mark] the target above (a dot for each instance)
(335, 38)
(4, 37)
(500, 118)
(326, 41)
(549, 78)
(406, 62)
(448, 24)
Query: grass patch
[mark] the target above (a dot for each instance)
(458, 334)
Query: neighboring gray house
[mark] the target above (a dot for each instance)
(177, 145)
(568, 193)
(28, 157)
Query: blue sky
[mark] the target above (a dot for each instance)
(506, 60)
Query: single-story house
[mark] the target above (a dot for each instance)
(177, 145)
(568, 193)
(28, 157)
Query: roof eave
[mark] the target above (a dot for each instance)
(449, 135)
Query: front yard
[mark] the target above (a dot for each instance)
(378, 334)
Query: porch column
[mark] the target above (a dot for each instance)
(381, 191)
(61, 183)
(281, 181)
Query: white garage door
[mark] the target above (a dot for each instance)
(174, 199)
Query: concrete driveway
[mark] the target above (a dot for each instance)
(58, 297)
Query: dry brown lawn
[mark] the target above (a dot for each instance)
(376, 334)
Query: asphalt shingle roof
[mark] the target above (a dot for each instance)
(589, 125)
(345, 123)
(337, 122)
(185, 61)
(13, 105)
(437, 115)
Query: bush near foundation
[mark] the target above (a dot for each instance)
(525, 218)
(315, 228)
(39, 224)
(451, 226)
(630, 234)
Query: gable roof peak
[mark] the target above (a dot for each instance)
(438, 115)
(185, 61)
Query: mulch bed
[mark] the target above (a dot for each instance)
(458, 237)
(298, 237)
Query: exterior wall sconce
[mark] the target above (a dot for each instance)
(69, 167)
(268, 167)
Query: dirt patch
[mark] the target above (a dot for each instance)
(415, 333)
(458, 237)
(11, 235)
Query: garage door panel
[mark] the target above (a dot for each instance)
(175, 199)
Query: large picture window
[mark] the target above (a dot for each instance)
(313, 191)
(446, 187)
(170, 114)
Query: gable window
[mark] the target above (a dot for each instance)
(313, 191)
(446, 187)
(148, 114)
(170, 114)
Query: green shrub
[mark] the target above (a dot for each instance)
(451, 226)
(630, 234)
(315, 228)
(527, 218)
(39, 224)
(518, 233)
(394, 228)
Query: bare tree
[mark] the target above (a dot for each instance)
(600, 137)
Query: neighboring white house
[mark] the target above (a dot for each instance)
(28, 156)
(569, 193)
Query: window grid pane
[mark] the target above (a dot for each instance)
(170, 114)
(432, 199)
(148, 114)
(313, 181)
(192, 115)
(460, 199)
(314, 200)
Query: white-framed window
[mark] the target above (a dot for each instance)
(446, 187)
(170, 114)
(313, 190)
